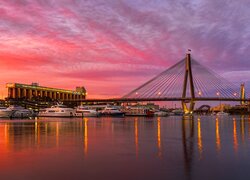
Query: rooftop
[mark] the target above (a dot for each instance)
(35, 86)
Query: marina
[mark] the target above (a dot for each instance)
(60, 110)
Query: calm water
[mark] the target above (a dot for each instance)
(126, 148)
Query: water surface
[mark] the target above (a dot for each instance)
(131, 148)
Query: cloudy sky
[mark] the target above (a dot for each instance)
(112, 46)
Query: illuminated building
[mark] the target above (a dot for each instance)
(16, 90)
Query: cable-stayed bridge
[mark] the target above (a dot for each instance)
(187, 81)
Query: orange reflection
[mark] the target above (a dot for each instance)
(4, 138)
(57, 134)
(249, 127)
(136, 136)
(217, 131)
(6, 133)
(199, 137)
(242, 127)
(159, 136)
(37, 133)
(85, 135)
(46, 132)
(235, 139)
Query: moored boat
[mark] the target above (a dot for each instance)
(82, 111)
(112, 111)
(138, 111)
(161, 113)
(25, 113)
(5, 112)
(20, 112)
(58, 110)
(222, 113)
(178, 112)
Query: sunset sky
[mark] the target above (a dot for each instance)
(113, 46)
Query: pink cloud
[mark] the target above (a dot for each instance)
(112, 47)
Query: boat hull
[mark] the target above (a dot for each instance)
(117, 114)
(130, 114)
(56, 114)
(138, 112)
(222, 113)
(22, 114)
(4, 114)
(87, 114)
(161, 114)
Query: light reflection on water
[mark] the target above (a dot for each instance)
(125, 148)
(218, 146)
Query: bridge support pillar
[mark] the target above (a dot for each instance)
(242, 94)
(188, 109)
(188, 78)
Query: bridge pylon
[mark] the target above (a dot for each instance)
(188, 78)
(242, 94)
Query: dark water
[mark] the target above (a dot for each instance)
(126, 148)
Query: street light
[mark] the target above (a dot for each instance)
(199, 93)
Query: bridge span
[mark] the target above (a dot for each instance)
(188, 82)
(155, 99)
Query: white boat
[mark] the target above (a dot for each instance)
(5, 112)
(112, 111)
(20, 112)
(171, 114)
(221, 113)
(178, 112)
(161, 113)
(57, 111)
(138, 111)
(82, 111)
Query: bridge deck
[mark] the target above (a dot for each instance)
(156, 99)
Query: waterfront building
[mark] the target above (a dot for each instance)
(26, 91)
(221, 107)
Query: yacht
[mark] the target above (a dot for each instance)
(112, 111)
(161, 113)
(20, 112)
(138, 111)
(178, 112)
(222, 113)
(58, 110)
(82, 111)
(5, 112)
